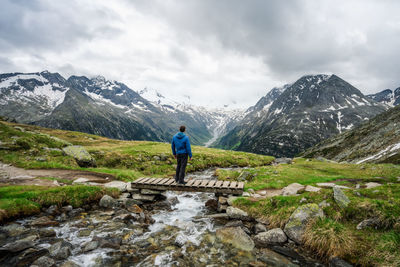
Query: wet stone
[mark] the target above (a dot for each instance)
(60, 250)
(44, 261)
(44, 221)
(17, 246)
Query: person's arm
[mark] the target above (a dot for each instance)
(173, 147)
(188, 148)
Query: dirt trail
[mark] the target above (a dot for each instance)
(18, 176)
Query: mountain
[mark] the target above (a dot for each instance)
(103, 107)
(377, 140)
(291, 119)
(388, 97)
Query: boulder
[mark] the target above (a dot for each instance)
(212, 204)
(222, 200)
(80, 180)
(134, 208)
(222, 208)
(13, 229)
(60, 250)
(145, 198)
(338, 262)
(231, 199)
(297, 223)
(81, 156)
(236, 237)
(371, 222)
(44, 262)
(274, 236)
(17, 246)
(259, 228)
(341, 199)
(150, 192)
(44, 221)
(92, 245)
(310, 188)
(372, 185)
(283, 161)
(235, 213)
(245, 194)
(46, 232)
(331, 185)
(292, 189)
(130, 189)
(121, 186)
(108, 202)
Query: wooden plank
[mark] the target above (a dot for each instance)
(156, 181)
(138, 180)
(211, 183)
(240, 185)
(204, 183)
(174, 183)
(144, 180)
(190, 182)
(170, 182)
(233, 185)
(196, 183)
(163, 181)
(150, 181)
(226, 184)
(218, 184)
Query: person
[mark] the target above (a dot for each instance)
(181, 149)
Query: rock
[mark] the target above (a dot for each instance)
(283, 161)
(52, 210)
(235, 213)
(212, 204)
(85, 232)
(108, 242)
(236, 237)
(75, 212)
(297, 223)
(331, 185)
(292, 189)
(272, 237)
(246, 176)
(108, 202)
(69, 264)
(60, 250)
(145, 198)
(150, 192)
(134, 208)
(263, 193)
(13, 229)
(46, 232)
(303, 200)
(156, 158)
(129, 202)
(310, 188)
(17, 246)
(251, 191)
(28, 256)
(92, 245)
(231, 199)
(222, 200)
(121, 186)
(371, 222)
(44, 221)
(245, 194)
(324, 204)
(44, 262)
(372, 185)
(259, 228)
(124, 196)
(80, 180)
(67, 208)
(81, 156)
(222, 208)
(256, 195)
(236, 223)
(271, 258)
(173, 200)
(180, 240)
(341, 199)
(338, 262)
(130, 189)
(262, 220)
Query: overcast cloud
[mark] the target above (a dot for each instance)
(217, 52)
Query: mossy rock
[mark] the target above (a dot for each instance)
(82, 157)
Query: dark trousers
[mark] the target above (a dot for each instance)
(181, 167)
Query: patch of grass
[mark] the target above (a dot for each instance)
(27, 200)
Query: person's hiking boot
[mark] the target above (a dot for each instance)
(182, 183)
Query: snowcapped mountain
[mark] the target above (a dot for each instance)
(108, 108)
(302, 114)
(388, 97)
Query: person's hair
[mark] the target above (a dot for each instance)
(182, 128)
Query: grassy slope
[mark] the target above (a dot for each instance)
(336, 235)
(127, 160)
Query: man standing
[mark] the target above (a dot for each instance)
(181, 150)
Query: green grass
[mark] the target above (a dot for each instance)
(27, 200)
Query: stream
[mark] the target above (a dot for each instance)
(177, 236)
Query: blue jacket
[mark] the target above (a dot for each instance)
(181, 145)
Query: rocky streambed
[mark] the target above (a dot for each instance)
(177, 230)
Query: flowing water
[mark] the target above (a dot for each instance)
(178, 237)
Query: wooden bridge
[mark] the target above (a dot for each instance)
(211, 186)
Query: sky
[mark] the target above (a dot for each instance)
(224, 52)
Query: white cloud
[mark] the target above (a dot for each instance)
(217, 52)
